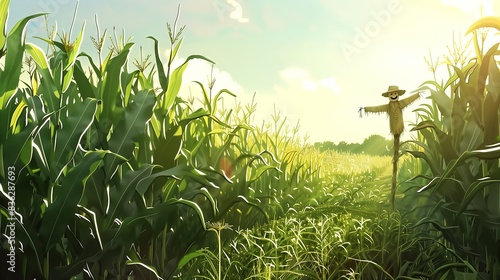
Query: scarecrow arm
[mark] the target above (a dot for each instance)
(376, 109)
(407, 101)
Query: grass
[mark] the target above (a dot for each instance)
(351, 235)
(327, 244)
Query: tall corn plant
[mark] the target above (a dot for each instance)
(460, 145)
(99, 189)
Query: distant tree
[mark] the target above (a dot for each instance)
(342, 147)
(325, 146)
(375, 145)
(328, 145)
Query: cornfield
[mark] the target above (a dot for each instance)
(107, 173)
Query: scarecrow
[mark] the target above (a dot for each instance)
(395, 111)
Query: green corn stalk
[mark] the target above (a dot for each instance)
(85, 159)
(462, 153)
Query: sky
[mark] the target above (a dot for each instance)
(316, 62)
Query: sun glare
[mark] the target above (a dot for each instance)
(475, 7)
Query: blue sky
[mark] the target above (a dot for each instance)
(315, 61)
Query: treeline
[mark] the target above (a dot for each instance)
(374, 145)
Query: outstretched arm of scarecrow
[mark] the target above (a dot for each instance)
(373, 109)
(376, 109)
(407, 101)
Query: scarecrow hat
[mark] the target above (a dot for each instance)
(393, 89)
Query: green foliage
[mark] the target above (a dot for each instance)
(326, 243)
(116, 177)
(84, 145)
(458, 141)
(374, 145)
(4, 8)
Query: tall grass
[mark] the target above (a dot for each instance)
(329, 243)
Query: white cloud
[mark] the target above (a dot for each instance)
(309, 85)
(291, 74)
(309, 100)
(330, 83)
(202, 71)
(301, 78)
(237, 12)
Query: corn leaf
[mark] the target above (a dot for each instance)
(51, 91)
(178, 172)
(82, 81)
(432, 165)
(96, 69)
(32, 245)
(168, 146)
(492, 104)
(73, 53)
(18, 147)
(442, 100)
(173, 53)
(110, 89)
(139, 264)
(4, 12)
(489, 152)
(474, 189)
(175, 81)
(130, 128)
(13, 61)
(484, 70)
(123, 192)
(127, 232)
(445, 141)
(62, 210)
(67, 79)
(488, 21)
(162, 77)
(190, 256)
(74, 122)
(17, 114)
